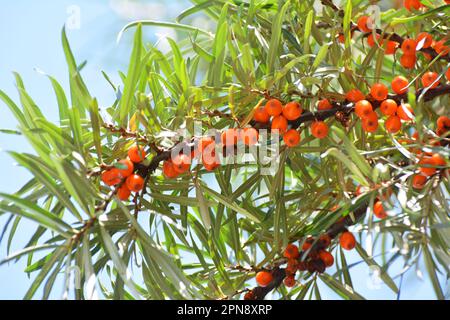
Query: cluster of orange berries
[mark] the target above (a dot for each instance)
(409, 47)
(280, 116)
(318, 258)
(416, 4)
(123, 175)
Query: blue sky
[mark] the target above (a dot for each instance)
(30, 38)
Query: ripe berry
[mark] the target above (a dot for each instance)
(126, 168)
(408, 61)
(274, 107)
(123, 193)
(429, 79)
(264, 278)
(347, 240)
(409, 46)
(210, 160)
(168, 170)
(341, 37)
(326, 257)
(363, 24)
(249, 295)
(443, 122)
(136, 154)
(355, 95)
(319, 129)
(399, 85)
(204, 142)
(402, 111)
(291, 138)
(370, 122)
(307, 244)
(427, 171)
(249, 136)
(181, 163)
(291, 251)
(379, 91)
(378, 210)
(438, 160)
(261, 115)
(279, 123)
(289, 281)
(291, 267)
(363, 108)
(111, 177)
(229, 137)
(388, 107)
(447, 74)
(441, 48)
(393, 124)
(324, 104)
(390, 46)
(412, 4)
(425, 39)
(371, 40)
(292, 110)
(135, 183)
(419, 181)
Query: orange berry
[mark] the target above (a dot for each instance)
(443, 122)
(204, 142)
(264, 278)
(409, 46)
(169, 170)
(341, 37)
(379, 91)
(229, 137)
(261, 115)
(279, 123)
(388, 107)
(123, 193)
(378, 210)
(430, 79)
(393, 124)
(292, 110)
(424, 40)
(249, 136)
(347, 240)
(438, 160)
(210, 160)
(419, 181)
(412, 4)
(402, 111)
(363, 108)
(181, 163)
(289, 281)
(371, 40)
(390, 46)
(324, 104)
(135, 183)
(126, 167)
(326, 257)
(427, 171)
(307, 244)
(408, 61)
(291, 251)
(319, 129)
(399, 85)
(111, 177)
(363, 24)
(136, 154)
(355, 95)
(274, 107)
(441, 48)
(370, 122)
(291, 138)
(447, 74)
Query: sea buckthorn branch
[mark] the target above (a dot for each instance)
(279, 274)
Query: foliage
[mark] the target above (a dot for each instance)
(205, 234)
